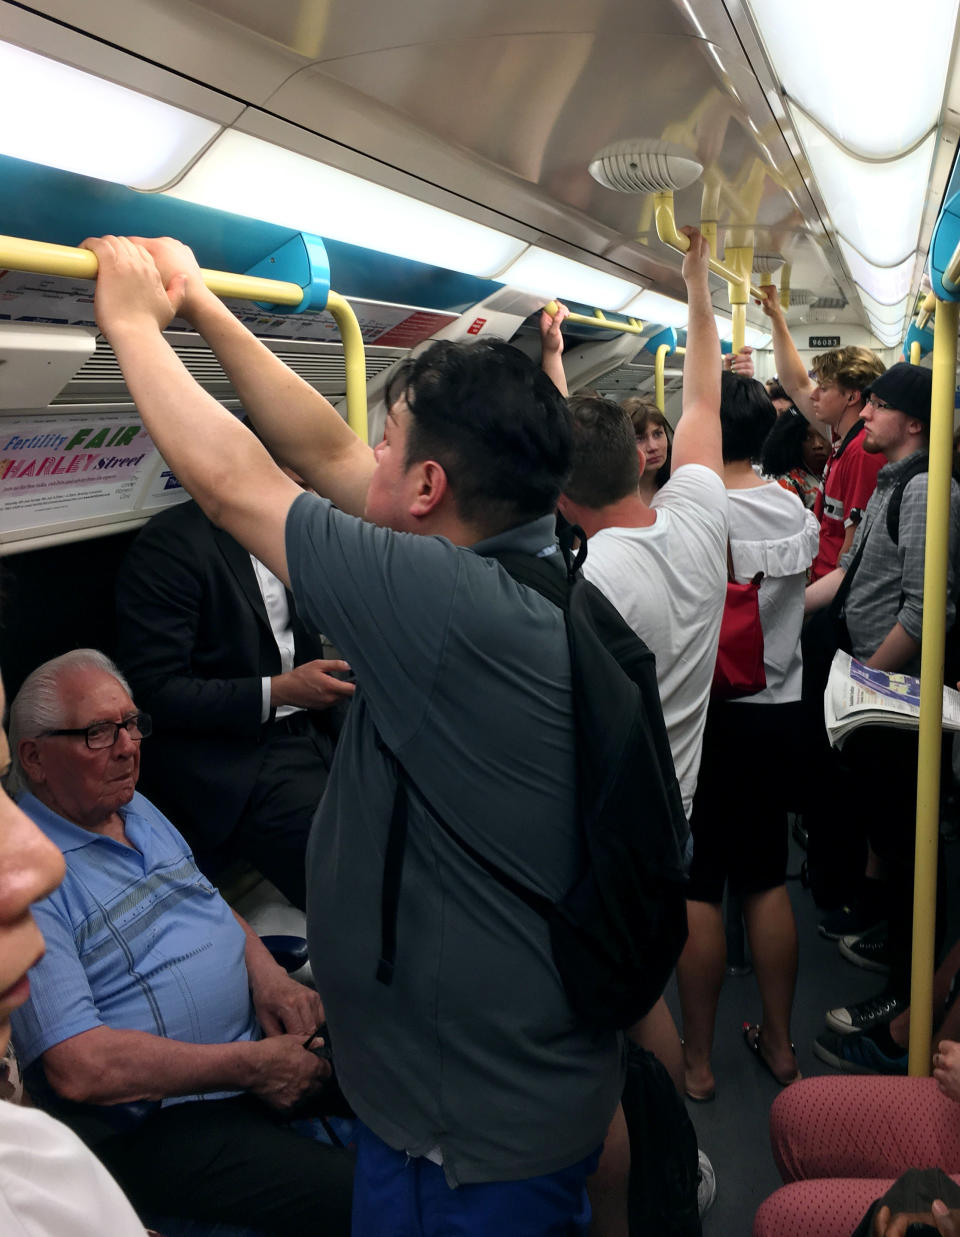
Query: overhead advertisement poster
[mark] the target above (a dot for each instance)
(77, 468)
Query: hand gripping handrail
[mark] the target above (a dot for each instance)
(17, 254)
(632, 326)
(667, 231)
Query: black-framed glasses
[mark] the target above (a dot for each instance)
(879, 404)
(104, 734)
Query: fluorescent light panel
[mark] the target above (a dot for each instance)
(251, 177)
(872, 75)
(654, 307)
(756, 338)
(65, 118)
(888, 285)
(891, 315)
(549, 275)
(879, 204)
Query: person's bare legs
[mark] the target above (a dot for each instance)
(772, 932)
(608, 1188)
(700, 974)
(657, 1032)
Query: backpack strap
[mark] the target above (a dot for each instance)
(393, 866)
(919, 464)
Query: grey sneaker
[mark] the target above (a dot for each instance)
(707, 1187)
(848, 1019)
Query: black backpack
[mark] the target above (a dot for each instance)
(664, 1157)
(618, 932)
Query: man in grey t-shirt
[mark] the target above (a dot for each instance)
(470, 1069)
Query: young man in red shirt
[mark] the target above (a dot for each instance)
(834, 396)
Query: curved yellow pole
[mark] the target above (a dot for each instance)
(658, 373)
(667, 231)
(17, 254)
(926, 309)
(658, 367)
(915, 352)
(785, 285)
(354, 361)
(632, 326)
(931, 682)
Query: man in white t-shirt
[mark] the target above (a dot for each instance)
(663, 566)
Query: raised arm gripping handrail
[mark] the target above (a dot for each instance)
(17, 254)
(632, 326)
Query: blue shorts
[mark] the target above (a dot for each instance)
(396, 1196)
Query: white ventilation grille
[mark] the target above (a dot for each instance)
(100, 380)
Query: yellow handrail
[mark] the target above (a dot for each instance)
(926, 309)
(658, 368)
(17, 254)
(354, 362)
(915, 352)
(931, 682)
(632, 326)
(667, 231)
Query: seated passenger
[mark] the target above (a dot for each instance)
(739, 818)
(158, 1025)
(840, 1143)
(50, 1184)
(794, 454)
(238, 692)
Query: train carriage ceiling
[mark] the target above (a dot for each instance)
(494, 110)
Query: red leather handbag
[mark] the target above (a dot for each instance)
(739, 669)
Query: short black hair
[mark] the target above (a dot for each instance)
(783, 448)
(605, 465)
(495, 423)
(747, 416)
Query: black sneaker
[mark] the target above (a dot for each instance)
(856, 1054)
(849, 1019)
(848, 921)
(869, 950)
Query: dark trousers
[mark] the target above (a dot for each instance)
(273, 829)
(236, 1162)
(870, 794)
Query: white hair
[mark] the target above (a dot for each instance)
(38, 705)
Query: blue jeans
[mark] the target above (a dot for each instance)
(396, 1196)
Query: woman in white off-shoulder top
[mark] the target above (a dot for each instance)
(739, 820)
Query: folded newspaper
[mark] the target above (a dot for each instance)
(856, 696)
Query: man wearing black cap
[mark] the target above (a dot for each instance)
(883, 611)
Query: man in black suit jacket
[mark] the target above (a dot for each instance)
(242, 743)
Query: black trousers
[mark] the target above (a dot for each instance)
(869, 793)
(236, 1162)
(273, 829)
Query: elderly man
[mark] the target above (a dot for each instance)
(158, 1024)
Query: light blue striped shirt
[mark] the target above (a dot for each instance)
(137, 939)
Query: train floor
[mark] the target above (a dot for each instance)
(733, 1130)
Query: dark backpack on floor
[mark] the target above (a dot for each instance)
(664, 1158)
(618, 931)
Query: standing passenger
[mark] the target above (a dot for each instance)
(740, 812)
(238, 690)
(835, 395)
(484, 1098)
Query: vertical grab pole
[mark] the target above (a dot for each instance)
(931, 684)
(658, 367)
(915, 352)
(354, 360)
